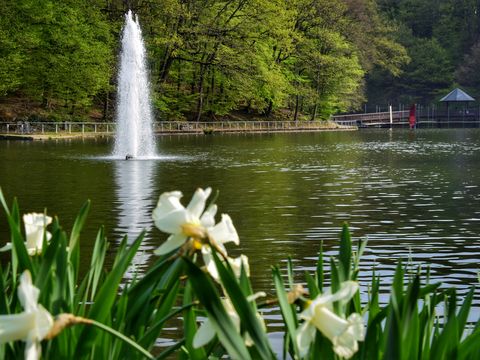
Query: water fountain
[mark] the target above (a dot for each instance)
(134, 136)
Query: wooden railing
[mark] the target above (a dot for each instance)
(166, 127)
(25, 127)
(425, 117)
(372, 119)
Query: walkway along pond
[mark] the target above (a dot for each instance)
(162, 127)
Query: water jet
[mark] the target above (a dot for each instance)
(134, 134)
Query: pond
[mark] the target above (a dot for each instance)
(414, 195)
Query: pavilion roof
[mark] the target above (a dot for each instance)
(457, 95)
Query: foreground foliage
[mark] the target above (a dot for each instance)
(104, 315)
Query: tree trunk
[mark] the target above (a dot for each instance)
(105, 106)
(314, 113)
(192, 84)
(179, 79)
(45, 102)
(200, 94)
(268, 112)
(212, 83)
(295, 115)
(167, 63)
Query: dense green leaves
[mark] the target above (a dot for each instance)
(207, 58)
(440, 37)
(55, 53)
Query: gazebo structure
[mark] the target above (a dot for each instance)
(457, 96)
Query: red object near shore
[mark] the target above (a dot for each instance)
(412, 119)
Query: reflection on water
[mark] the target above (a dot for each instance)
(134, 193)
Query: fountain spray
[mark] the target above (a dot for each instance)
(134, 135)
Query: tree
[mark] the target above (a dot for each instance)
(11, 56)
(56, 51)
(468, 74)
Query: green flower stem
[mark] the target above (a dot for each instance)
(63, 321)
(121, 337)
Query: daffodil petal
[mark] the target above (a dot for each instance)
(16, 326)
(34, 238)
(35, 224)
(212, 270)
(356, 326)
(305, 336)
(199, 199)
(257, 295)
(204, 334)
(346, 292)
(172, 222)
(36, 220)
(209, 262)
(345, 345)
(173, 242)
(329, 323)
(168, 202)
(7, 247)
(44, 323)
(224, 231)
(33, 350)
(208, 217)
(33, 251)
(237, 264)
(27, 293)
(34, 242)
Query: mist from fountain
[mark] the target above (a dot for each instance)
(134, 133)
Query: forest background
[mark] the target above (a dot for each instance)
(212, 59)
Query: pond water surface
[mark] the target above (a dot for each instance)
(414, 195)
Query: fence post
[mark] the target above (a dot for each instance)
(83, 128)
(43, 129)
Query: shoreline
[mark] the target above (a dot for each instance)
(80, 135)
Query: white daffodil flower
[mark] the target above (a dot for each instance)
(35, 225)
(343, 333)
(30, 326)
(206, 332)
(235, 263)
(181, 222)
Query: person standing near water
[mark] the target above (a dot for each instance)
(412, 119)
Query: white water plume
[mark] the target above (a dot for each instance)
(134, 134)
